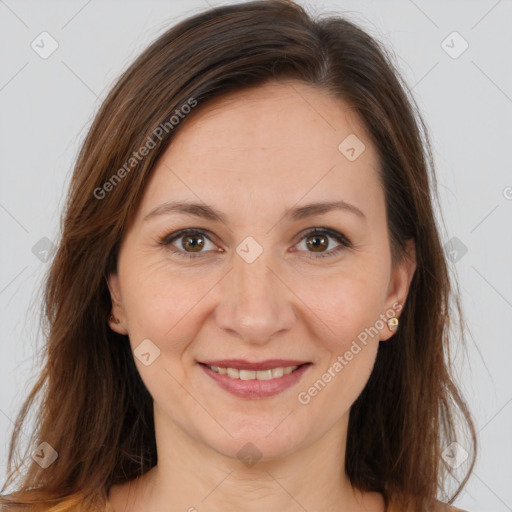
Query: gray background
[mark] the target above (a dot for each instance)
(48, 103)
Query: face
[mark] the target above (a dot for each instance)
(265, 278)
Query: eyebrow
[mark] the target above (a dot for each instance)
(210, 213)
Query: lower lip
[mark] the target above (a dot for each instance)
(256, 388)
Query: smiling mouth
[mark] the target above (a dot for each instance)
(255, 380)
(242, 374)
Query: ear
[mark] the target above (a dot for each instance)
(401, 278)
(117, 319)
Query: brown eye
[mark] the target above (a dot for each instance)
(318, 240)
(317, 243)
(193, 243)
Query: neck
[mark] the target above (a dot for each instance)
(190, 476)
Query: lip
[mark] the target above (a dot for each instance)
(243, 364)
(255, 389)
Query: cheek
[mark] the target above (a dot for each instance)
(347, 303)
(159, 301)
(349, 310)
(161, 306)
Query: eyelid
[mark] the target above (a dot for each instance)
(168, 240)
(320, 230)
(171, 237)
(343, 241)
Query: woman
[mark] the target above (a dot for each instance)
(249, 306)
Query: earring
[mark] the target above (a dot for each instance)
(113, 319)
(393, 324)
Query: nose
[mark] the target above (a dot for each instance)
(255, 303)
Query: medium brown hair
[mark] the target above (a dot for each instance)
(93, 407)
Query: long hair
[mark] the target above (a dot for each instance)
(92, 406)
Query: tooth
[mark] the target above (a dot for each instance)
(277, 372)
(233, 373)
(264, 374)
(269, 374)
(247, 374)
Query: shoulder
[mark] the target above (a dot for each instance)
(18, 507)
(434, 506)
(6, 506)
(443, 507)
(451, 508)
(68, 504)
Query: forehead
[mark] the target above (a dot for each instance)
(278, 140)
(274, 116)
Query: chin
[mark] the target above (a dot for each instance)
(255, 445)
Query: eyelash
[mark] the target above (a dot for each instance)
(344, 241)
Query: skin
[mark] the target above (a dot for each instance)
(254, 155)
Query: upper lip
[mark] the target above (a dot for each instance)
(243, 364)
